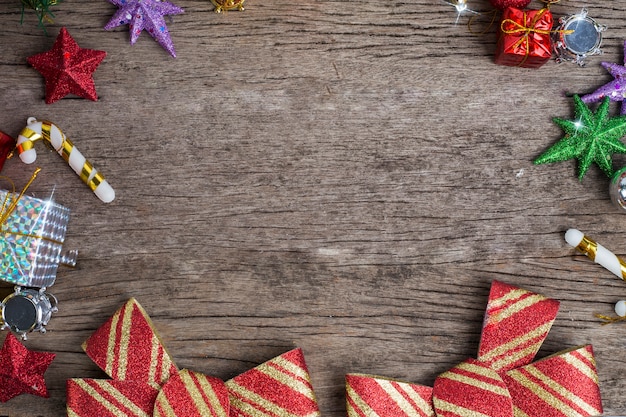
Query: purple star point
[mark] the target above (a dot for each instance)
(148, 15)
(615, 90)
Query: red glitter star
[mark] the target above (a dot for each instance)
(21, 370)
(68, 68)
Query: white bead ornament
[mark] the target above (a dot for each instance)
(620, 308)
(36, 130)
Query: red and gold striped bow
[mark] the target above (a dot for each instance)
(146, 382)
(503, 381)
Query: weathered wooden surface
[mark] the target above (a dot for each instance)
(343, 176)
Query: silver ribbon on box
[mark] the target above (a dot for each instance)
(32, 232)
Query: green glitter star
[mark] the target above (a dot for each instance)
(591, 137)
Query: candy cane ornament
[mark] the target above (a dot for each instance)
(36, 130)
(596, 252)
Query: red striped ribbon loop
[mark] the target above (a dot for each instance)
(503, 381)
(147, 383)
(369, 396)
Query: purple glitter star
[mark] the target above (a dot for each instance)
(614, 90)
(145, 14)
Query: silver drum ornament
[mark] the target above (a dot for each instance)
(27, 310)
(584, 41)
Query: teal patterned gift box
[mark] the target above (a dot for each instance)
(32, 233)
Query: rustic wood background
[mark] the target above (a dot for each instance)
(343, 176)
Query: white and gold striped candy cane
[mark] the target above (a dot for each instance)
(596, 252)
(49, 132)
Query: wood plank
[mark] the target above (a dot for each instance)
(343, 176)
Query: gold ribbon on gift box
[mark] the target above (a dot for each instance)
(5, 212)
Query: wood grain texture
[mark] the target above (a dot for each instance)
(343, 176)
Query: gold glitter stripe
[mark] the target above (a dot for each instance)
(457, 409)
(505, 348)
(475, 369)
(588, 247)
(154, 359)
(124, 342)
(121, 398)
(166, 360)
(112, 408)
(243, 409)
(541, 393)
(212, 396)
(516, 308)
(517, 412)
(562, 391)
(111, 345)
(512, 357)
(425, 406)
(476, 383)
(396, 396)
(165, 406)
(364, 408)
(71, 413)
(589, 371)
(195, 394)
(253, 397)
(511, 295)
(295, 369)
(285, 379)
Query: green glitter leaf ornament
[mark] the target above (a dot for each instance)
(41, 8)
(591, 137)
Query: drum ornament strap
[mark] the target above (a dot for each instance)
(5, 211)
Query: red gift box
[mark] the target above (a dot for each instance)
(525, 38)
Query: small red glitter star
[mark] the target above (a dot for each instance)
(68, 68)
(21, 370)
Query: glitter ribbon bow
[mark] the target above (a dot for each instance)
(503, 381)
(146, 382)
